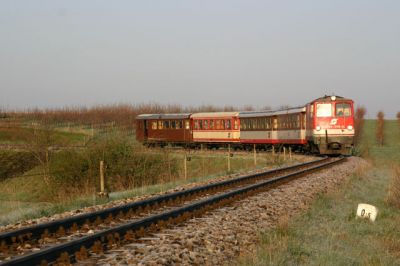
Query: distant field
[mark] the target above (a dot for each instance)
(328, 233)
(24, 135)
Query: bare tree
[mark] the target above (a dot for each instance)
(284, 107)
(359, 124)
(248, 107)
(380, 123)
(42, 141)
(398, 118)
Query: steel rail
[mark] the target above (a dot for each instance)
(36, 231)
(51, 254)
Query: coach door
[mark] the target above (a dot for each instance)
(145, 129)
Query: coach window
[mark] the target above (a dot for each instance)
(187, 124)
(154, 125)
(173, 124)
(236, 124)
(217, 124)
(205, 124)
(228, 124)
(343, 109)
(275, 123)
(160, 124)
(196, 124)
(166, 124)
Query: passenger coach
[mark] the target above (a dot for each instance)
(161, 129)
(273, 127)
(216, 128)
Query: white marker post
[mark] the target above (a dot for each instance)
(367, 211)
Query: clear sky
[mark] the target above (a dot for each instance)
(222, 52)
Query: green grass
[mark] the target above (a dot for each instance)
(26, 196)
(24, 135)
(328, 233)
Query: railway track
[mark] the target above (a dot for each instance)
(76, 238)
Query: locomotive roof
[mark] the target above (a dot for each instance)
(327, 98)
(271, 113)
(215, 114)
(163, 116)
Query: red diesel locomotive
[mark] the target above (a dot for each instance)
(325, 126)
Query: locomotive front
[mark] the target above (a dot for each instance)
(331, 125)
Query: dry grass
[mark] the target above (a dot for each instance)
(393, 197)
(119, 115)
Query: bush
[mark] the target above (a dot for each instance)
(126, 166)
(359, 124)
(380, 125)
(15, 163)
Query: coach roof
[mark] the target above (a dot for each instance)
(163, 116)
(272, 113)
(214, 114)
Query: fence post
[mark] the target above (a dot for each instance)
(229, 157)
(255, 154)
(185, 166)
(273, 153)
(284, 153)
(102, 193)
(102, 176)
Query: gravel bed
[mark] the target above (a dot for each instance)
(296, 159)
(221, 236)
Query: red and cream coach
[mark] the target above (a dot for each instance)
(273, 127)
(216, 128)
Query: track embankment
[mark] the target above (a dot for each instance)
(223, 235)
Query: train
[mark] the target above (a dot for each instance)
(324, 126)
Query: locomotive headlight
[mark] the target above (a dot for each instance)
(350, 127)
(318, 128)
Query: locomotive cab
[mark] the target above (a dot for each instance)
(331, 127)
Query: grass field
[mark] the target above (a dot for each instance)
(27, 196)
(25, 135)
(328, 233)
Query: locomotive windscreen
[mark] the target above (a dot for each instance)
(343, 109)
(324, 110)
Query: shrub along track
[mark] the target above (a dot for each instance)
(76, 237)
